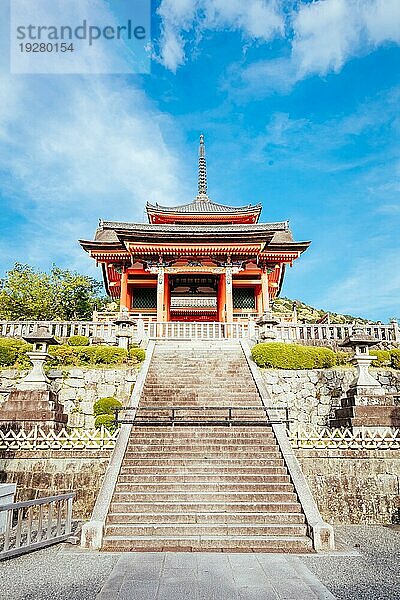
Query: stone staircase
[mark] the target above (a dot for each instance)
(203, 487)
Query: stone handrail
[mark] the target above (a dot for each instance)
(320, 532)
(93, 530)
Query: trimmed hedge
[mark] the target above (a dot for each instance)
(383, 358)
(13, 352)
(137, 354)
(395, 354)
(78, 340)
(277, 355)
(292, 356)
(105, 420)
(87, 355)
(106, 406)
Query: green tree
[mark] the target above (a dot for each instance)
(26, 293)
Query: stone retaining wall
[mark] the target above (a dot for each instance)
(312, 394)
(48, 473)
(349, 486)
(79, 388)
(354, 486)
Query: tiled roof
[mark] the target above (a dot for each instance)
(203, 205)
(164, 228)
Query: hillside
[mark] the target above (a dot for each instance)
(310, 314)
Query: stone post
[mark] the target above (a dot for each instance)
(396, 332)
(267, 325)
(124, 329)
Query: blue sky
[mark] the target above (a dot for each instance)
(299, 104)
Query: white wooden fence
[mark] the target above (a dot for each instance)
(197, 330)
(368, 438)
(35, 524)
(289, 332)
(305, 332)
(61, 329)
(77, 439)
(364, 438)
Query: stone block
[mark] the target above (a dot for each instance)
(76, 373)
(105, 389)
(74, 382)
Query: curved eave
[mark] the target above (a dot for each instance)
(120, 227)
(217, 212)
(299, 247)
(89, 245)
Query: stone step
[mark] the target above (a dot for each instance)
(176, 440)
(189, 433)
(201, 529)
(205, 517)
(204, 496)
(208, 543)
(205, 454)
(203, 449)
(216, 463)
(126, 476)
(160, 471)
(206, 506)
(188, 487)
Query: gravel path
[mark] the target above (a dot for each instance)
(373, 574)
(367, 568)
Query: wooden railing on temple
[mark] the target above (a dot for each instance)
(105, 332)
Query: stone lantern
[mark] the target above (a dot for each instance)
(267, 324)
(366, 403)
(124, 328)
(32, 402)
(360, 342)
(37, 379)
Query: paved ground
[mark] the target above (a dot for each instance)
(170, 576)
(367, 567)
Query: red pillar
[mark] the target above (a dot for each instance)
(124, 297)
(221, 298)
(265, 290)
(167, 298)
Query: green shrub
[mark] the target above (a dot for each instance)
(13, 352)
(395, 358)
(342, 357)
(86, 354)
(106, 406)
(292, 356)
(137, 354)
(78, 340)
(109, 355)
(66, 355)
(63, 355)
(383, 358)
(107, 421)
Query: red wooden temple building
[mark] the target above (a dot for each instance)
(200, 261)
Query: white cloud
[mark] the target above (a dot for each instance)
(325, 35)
(329, 32)
(184, 21)
(74, 151)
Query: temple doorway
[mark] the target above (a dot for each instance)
(193, 297)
